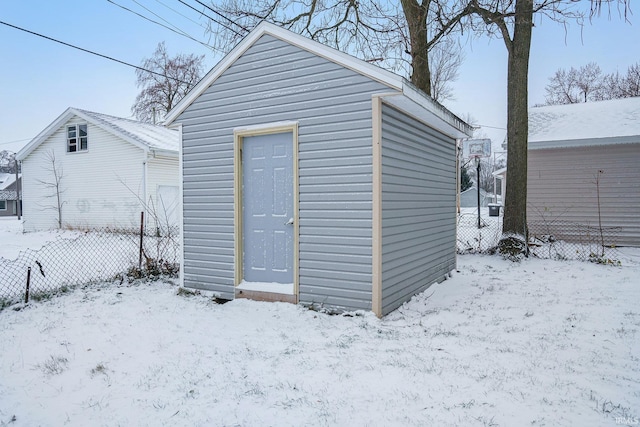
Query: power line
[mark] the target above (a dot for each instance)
(213, 19)
(492, 127)
(93, 53)
(179, 32)
(181, 14)
(155, 14)
(222, 16)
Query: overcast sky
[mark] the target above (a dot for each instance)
(40, 78)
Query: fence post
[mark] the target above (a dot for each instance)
(478, 184)
(26, 294)
(141, 233)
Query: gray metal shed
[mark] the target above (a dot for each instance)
(313, 177)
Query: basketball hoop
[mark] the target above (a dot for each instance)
(476, 149)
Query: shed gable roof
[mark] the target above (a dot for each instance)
(406, 96)
(146, 136)
(615, 121)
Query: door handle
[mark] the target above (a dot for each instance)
(290, 222)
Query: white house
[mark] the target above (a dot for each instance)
(583, 166)
(9, 194)
(91, 170)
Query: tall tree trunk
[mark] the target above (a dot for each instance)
(416, 16)
(515, 210)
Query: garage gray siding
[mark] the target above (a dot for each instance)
(561, 191)
(274, 81)
(418, 207)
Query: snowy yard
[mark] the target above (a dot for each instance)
(13, 240)
(537, 343)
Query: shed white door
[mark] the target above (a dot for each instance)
(267, 214)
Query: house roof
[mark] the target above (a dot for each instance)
(502, 172)
(615, 121)
(143, 135)
(7, 179)
(406, 97)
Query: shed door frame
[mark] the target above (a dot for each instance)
(238, 136)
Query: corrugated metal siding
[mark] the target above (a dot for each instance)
(418, 207)
(100, 186)
(562, 187)
(274, 81)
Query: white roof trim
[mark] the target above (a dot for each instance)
(66, 117)
(259, 127)
(586, 142)
(317, 48)
(439, 119)
(498, 172)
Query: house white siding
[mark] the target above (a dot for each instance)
(562, 187)
(101, 187)
(163, 189)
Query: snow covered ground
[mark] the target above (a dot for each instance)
(537, 343)
(13, 240)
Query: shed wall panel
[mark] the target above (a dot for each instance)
(273, 82)
(562, 188)
(418, 207)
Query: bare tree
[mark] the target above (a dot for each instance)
(377, 31)
(54, 186)
(512, 21)
(630, 85)
(586, 83)
(611, 87)
(170, 80)
(487, 168)
(7, 162)
(445, 60)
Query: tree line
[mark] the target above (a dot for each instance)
(7, 162)
(589, 83)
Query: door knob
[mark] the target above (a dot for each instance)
(290, 222)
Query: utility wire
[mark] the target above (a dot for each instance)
(213, 19)
(93, 53)
(222, 16)
(181, 14)
(492, 127)
(179, 32)
(161, 18)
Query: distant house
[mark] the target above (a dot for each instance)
(583, 166)
(9, 194)
(500, 184)
(310, 176)
(469, 198)
(110, 170)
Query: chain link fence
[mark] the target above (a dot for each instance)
(474, 239)
(97, 255)
(547, 239)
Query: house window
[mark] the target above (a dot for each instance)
(77, 138)
(3, 205)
